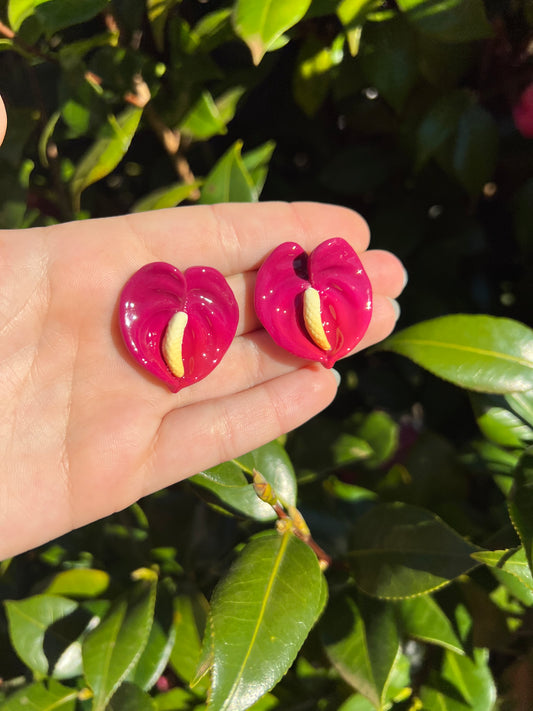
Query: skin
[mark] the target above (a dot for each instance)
(84, 431)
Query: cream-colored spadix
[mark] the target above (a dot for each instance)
(313, 319)
(172, 346)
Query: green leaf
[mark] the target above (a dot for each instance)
(466, 684)
(401, 551)
(352, 12)
(422, 618)
(275, 611)
(29, 620)
(520, 503)
(361, 640)
(389, 59)
(190, 613)
(522, 404)
(233, 489)
(107, 151)
(357, 703)
(112, 649)
(38, 697)
(229, 181)
(498, 422)
(476, 148)
(175, 700)
(256, 163)
(484, 353)
(157, 12)
(512, 560)
(130, 697)
(53, 15)
(79, 582)
(448, 20)
(167, 196)
(203, 120)
(381, 433)
(312, 75)
(154, 657)
(348, 448)
(260, 24)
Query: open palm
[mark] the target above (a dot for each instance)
(84, 430)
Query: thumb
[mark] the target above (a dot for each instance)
(3, 121)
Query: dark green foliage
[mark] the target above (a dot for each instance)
(420, 492)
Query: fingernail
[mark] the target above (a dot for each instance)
(405, 277)
(396, 307)
(337, 376)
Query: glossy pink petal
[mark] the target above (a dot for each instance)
(336, 272)
(154, 294)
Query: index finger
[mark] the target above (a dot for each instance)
(235, 237)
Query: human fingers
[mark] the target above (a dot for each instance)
(233, 238)
(3, 120)
(194, 438)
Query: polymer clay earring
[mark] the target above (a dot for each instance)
(178, 325)
(317, 306)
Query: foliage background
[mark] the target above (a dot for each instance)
(400, 109)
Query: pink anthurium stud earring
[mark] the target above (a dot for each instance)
(316, 306)
(178, 325)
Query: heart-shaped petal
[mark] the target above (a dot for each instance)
(309, 302)
(155, 297)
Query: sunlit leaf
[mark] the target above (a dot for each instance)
(521, 503)
(263, 591)
(107, 150)
(53, 15)
(512, 561)
(361, 640)
(203, 120)
(231, 483)
(499, 422)
(400, 551)
(41, 697)
(422, 618)
(229, 181)
(475, 352)
(79, 582)
(449, 20)
(260, 24)
(167, 196)
(29, 620)
(115, 645)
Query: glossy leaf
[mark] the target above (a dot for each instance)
(423, 619)
(512, 561)
(467, 684)
(229, 180)
(112, 649)
(401, 551)
(29, 620)
(263, 591)
(167, 196)
(312, 77)
(357, 702)
(154, 657)
(130, 697)
(448, 20)
(110, 146)
(79, 582)
(520, 503)
(475, 352)
(498, 422)
(361, 640)
(260, 24)
(231, 482)
(41, 697)
(190, 613)
(381, 433)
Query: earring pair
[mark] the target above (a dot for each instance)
(179, 325)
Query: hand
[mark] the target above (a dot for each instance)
(84, 431)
